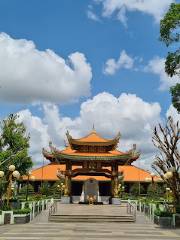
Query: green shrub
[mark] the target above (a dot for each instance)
(178, 209)
(36, 197)
(5, 207)
(22, 211)
(160, 213)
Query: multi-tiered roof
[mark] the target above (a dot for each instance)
(92, 147)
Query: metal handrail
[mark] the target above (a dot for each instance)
(131, 209)
(53, 208)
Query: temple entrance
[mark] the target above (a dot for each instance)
(91, 155)
(91, 190)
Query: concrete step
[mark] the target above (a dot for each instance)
(90, 218)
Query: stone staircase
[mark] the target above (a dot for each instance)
(90, 218)
(93, 213)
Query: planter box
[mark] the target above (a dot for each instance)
(115, 201)
(21, 218)
(163, 222)
(177, 220)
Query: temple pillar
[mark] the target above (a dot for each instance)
(67, 182)
(115, 184)
(68, 179)
(112, 180)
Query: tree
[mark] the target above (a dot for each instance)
(136, 189)
(14, 145)
(170, 35)
(46, 189)
(166, 139)
(175, 92)
(23, 190)
(154, 190)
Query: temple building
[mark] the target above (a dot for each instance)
(90, 166)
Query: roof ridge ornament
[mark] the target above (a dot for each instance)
(93, 129)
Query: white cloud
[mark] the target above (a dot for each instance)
(154, 8)
(30, 75)
(124, 61)
(129, 114)
(91, 15)
(156, 66)
(173, 113)
(38, 130)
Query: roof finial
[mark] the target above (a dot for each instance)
(93, 129)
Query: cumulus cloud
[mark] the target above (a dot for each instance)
(124, 61)
(156, 66)
(173, 113)
(38, 130)
(91, 15)
(154, 8)
(129, 114)
(30, 75)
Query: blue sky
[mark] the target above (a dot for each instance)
(94, 30)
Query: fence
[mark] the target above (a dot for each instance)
(36, 207)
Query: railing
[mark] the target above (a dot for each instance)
(131, 209)
(53, 208)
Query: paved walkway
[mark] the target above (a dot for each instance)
(41, 229)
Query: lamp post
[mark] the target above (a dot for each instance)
(29, 178)
(27, 185)
(12, 173)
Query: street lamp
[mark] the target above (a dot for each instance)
(29, 178)
(12, 173)
(1, 174)
(168, 175)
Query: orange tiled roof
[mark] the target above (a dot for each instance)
(70, 151)
(92, 137)
(131, 173)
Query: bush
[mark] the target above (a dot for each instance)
(5, 207)
(160, 213)
(22, 211)
(36, 197)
